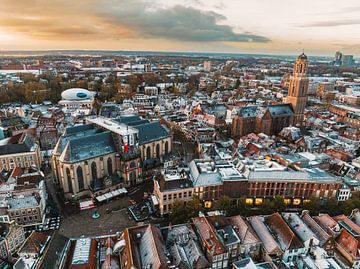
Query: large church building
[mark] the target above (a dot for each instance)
(107, 154)
(272, 119)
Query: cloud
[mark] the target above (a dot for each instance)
(117, 19)
(336, 23)
(179, 23)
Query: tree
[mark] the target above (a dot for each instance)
(194, 206)
(270, 206)
(224, 203)
(314, 205)
(333, 207)
(179, 213)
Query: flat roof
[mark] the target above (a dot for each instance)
(112, 125)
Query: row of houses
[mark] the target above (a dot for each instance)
(279, 240)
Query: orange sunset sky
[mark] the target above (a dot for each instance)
(320, 27)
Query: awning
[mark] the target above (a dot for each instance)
(111, 194)
(86, 205)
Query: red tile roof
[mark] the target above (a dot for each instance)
(283, 233)
(348, 243)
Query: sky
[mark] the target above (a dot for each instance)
(319, 27)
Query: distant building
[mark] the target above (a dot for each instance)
(269, 120)
(20, 151)
(77, 101)
(207, 66)
(298, 89)
(338, 58)
(12, 237)
(348, 60)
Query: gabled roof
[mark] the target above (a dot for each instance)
(284, 235)
(247, 111)
(298, 226)
(78, 128)
(326, 222)
(348, 243)
(184, 248)
(128, 119)
(87, 147)
(152, 131)
(144, 246)
(246, 233)
(280, 110)
(54, 251)
(17, 144)
(270, 245)
(349, 225)
(320, 233)
(208, 236)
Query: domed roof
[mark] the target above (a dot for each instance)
(302, 56)
(76, 94)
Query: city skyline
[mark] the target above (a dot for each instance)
(219, 26)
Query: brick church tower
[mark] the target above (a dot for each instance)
(298, 89)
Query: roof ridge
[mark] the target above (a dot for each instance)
(153, 241)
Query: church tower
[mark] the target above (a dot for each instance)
(298, 89)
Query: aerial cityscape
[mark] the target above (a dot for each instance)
(179, 134)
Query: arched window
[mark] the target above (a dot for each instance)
(157, 151)
(68, 177)
(166, 147)
(132, 178)
(80, 178)
(109, 166)
(148, 153)
(93, 171)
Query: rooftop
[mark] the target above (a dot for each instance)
(22, 202)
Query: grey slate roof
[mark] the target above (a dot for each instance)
(54, 252)
(88, 147)
(128, 119)
(23, 146)
(78, 128)
(248, 111)
(152, 131)
(280, 110)
(25, 202)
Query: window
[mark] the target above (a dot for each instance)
(68, 176)
(25, 158)
(93, 171)
(166, 147)
(80, 178)
(157, 151)
(175, 196)
(148, 153)
(109, 166)
(31, 157)
(180, 195)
